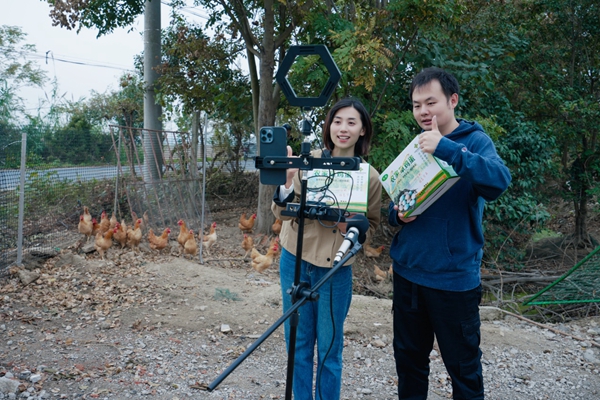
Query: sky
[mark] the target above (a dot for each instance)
(80, 62)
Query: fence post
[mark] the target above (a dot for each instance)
(22, 199)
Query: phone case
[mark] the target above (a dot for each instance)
(273, 142)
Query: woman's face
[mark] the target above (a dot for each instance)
(345, 130)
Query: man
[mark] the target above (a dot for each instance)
(437, 255)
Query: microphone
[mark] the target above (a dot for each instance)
(356, 231)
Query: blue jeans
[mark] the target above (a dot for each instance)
(420, 313)
(320, 322)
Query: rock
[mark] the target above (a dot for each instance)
(225, 328)
(8, 386)
(71, 259)
(43, 252)
(27, 277)
(88, 248)
(487, 313)
(378, 343)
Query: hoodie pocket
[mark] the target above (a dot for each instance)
(424, 244)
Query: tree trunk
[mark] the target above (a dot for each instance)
(255, 89)
(266, 114)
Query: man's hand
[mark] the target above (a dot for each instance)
(428, 140)
(401, 216)
(291, 172)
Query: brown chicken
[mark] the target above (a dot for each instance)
(134, 235)
(276, 227)
(380, 275)
(184, 235)
(246, 224)
(247, 245)
(85, 227)
(273, 242)
(190, 246)
(104, 223)
(95, 227)
(261, 262)
(373, 251)
(87, 217)
(113, 221)
(159, 242)
(121, 233)
(210, 239)
(104, 241)
(145, 220)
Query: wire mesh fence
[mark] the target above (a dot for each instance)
(119, 171)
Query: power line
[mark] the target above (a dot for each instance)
(69, 60)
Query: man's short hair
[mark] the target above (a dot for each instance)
(447, 81)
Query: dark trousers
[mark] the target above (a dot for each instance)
(453, 317)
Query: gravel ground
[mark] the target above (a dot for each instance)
(164, 328)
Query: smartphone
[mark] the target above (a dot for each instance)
(273, 142)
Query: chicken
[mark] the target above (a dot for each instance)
(373, 251)
(273, 242)
(276, 227)
(95, 227)
(190, 246)
(261, 262)
(121, 233)
(246, 224)
(104, 223)
(159, 242)
(380, 275)
(210, 239)
(247, 245)
(104, 241)
(184, 234)
(113, 221)
(87, 217)
(145, 220)
(85, 227)
(134, 235)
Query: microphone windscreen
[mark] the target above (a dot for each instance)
(361, 223)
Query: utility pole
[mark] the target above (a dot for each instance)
(152, 125)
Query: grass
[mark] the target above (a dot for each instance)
(545, 234)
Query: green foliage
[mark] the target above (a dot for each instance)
(396, 130)
(78, 143)
(105, 15)
(225, 295)
(519, 212)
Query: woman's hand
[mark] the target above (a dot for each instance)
(342, 226)
(291, 172)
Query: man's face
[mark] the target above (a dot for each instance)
(429, 100)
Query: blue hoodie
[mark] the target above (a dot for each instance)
(442, 248)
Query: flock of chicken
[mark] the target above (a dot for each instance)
(107, 230)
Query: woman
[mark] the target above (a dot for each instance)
(347, 133)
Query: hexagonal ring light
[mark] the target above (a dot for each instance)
(286, 64)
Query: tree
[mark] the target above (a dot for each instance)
(194, 70)
(555, 84)
(106, 15)
(16, 71)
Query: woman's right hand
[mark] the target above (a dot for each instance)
(291, 172)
